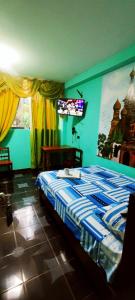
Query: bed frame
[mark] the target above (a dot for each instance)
(123, 276)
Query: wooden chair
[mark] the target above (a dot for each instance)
(5, 158)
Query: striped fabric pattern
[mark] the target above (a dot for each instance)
(48, 176)
(105, 185)
(90, 177)
(80, 209)
(130, 187)
(114, 211)
(91, 207)
(58, 184)
(61, 209)
(64, 198)
(89, 244)
(94, 225)
(120, 181)
(92, 169)
(114, 220)
(87, 189)
(118, 194)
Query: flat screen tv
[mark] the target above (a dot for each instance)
(71, 107)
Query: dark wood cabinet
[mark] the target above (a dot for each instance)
(59, 157)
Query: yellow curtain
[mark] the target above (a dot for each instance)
(27, 87)
(51, 123)
(8, 107)
(44, 129)
(22, 87)
(37, 128)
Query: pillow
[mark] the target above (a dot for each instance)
(114, 220)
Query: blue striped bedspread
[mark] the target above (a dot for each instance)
(81, 204)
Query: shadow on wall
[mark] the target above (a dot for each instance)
(7, 138)
(77, 120)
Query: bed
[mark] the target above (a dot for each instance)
(96, 207)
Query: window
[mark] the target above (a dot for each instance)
(23, 115)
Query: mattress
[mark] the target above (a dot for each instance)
(82, 202)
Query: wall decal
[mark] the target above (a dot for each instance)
(116, 138)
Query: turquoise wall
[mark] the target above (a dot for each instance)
(90, 84)
(18, 140)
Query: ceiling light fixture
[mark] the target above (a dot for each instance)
(8, 57)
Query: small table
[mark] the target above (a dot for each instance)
(59, 157)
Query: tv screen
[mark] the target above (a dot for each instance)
(71, 107)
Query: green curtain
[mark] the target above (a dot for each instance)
(38, 137)
(51, 89)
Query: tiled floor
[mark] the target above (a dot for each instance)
(35, 262)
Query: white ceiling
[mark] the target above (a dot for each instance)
(59, 39)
